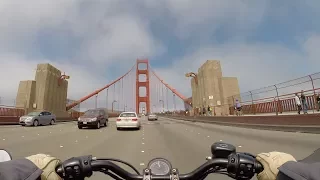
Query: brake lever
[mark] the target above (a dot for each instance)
(106, 171)
(248, 154)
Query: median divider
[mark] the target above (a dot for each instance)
(290, 123)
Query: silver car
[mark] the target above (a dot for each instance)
(128, 120)
(152, 117)
(37, 118)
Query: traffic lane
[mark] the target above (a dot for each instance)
(185, 145)
(155, 139)
(255, 141)
(66, 140)
(170, 140)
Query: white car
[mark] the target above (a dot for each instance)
(128, 120)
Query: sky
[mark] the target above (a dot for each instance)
(95, 41)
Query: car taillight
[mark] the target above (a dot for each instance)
(118, 119)
(135, 119)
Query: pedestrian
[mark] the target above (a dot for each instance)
(298, 103)
(304, 103)
(318, 101)
(204, 111)
(209, 111)
(238, 107)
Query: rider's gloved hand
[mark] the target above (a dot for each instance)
(47, 164)
(271, 162)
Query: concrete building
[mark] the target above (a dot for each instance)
(48, 92)
(209, 87)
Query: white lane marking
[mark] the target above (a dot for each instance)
(143, 138)
(142, 143)
(100, 131)
(4, 139)
(87, 137)
(141, 164)
(142, 151)
(76, 141)
(208, 136)
(50, 132)
(220, 140)
(239, 146)
(38, 134)
(22, 136)
(198, 133)
(61, 146)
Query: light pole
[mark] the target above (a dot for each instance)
(154, 107)
(197, 94)
(113, 104)
(96, 104)
(162, 104)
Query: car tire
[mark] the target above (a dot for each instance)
(35, 123)
(118, 129)
(98, 125)
(105, 123)
(80, 127)
(52, 122)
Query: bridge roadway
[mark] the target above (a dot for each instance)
(185, 144)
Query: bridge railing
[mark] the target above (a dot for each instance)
(11, 111)
(285, 103)
(279, 98)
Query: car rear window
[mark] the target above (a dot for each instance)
(128, 115)
(92, 112)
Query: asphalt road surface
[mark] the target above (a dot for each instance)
(185, 144)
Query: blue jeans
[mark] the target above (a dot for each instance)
(304, 107)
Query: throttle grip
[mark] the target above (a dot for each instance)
(60, 170)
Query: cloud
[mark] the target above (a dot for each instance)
(93, 42)
(205, 17)
(256, 65)
(97, 41)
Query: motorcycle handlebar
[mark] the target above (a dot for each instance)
(238, 165)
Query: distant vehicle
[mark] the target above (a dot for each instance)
(93, 118)
(128, 120)
(37, 118)
(152, 117)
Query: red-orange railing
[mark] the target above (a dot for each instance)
(10, 111)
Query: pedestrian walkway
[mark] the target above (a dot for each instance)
(280, 114)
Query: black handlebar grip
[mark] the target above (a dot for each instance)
(60, 170)
(259, 167)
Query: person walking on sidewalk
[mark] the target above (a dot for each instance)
(238, 107)
(304, 103)
(209, 111)
(204, 111)
(318, 101)
(298, 103)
